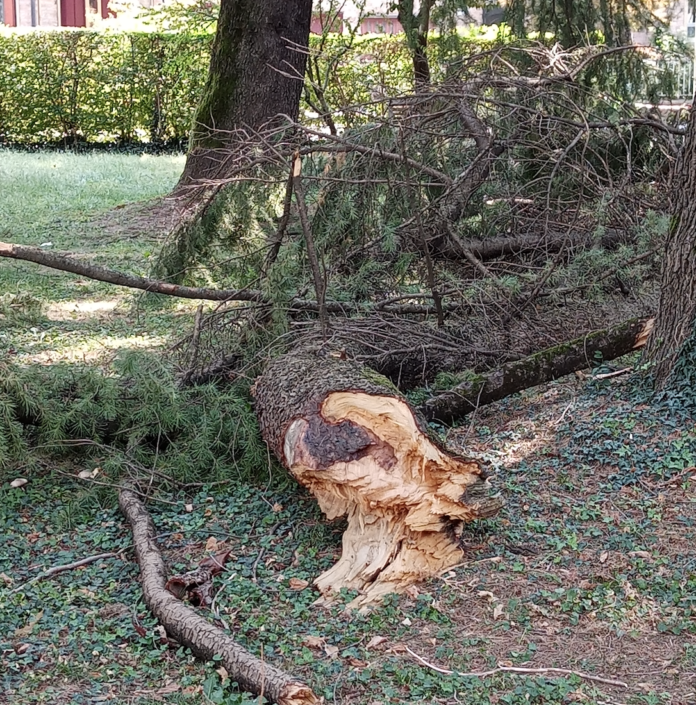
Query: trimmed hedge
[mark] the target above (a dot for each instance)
(76, 85)
(83, 85)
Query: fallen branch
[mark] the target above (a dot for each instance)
(132, 281)
(495, 247)
(519, 670)
(95, 271)
(539, 368)
(190, 629)
(348, 435)
(69, 566)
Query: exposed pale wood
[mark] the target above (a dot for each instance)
(348, 435)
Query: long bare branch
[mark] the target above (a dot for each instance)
(132, 281)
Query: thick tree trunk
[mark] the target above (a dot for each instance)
(190, 629)
(256, 73)
(539, 368)
(676, 311)
(348, 435)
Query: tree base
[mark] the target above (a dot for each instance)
(365, 453)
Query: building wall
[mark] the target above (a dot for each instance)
(380, 24)
(8, 13)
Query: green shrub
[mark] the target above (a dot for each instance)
(82, 85)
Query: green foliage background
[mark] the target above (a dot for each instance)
(132, 86)
(99, 86)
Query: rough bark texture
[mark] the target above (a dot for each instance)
(347, 434)
(256, 70)
(190, 629)
(536, 369)
(676, 312)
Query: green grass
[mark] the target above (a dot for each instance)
(45, 194)
(65, 202)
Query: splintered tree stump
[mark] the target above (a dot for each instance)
(349, 436)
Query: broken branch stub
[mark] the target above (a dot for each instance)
(349, 436)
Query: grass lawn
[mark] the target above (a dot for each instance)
(84, 205)
(591, 567)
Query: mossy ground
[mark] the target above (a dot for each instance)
(590, 567)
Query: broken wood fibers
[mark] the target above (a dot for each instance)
(347, 434)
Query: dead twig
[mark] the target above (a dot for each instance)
(518, 670)
(70, 566)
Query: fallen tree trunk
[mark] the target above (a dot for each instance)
(190, 629)
(347, 434)
(536, 369)
(497, 247)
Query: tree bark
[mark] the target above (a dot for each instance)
(497, 247)
(416, 27)
(132, 281)
(256, 74)
(676, 311)
(536, 369)
(347, 434)
(190, 629)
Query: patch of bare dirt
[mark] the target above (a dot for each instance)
(150, 219)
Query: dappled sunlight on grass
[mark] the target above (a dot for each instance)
(90, 351)
(82, 310)
(44, 188)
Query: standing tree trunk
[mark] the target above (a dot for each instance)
(347, 434)
(676, 313)
(416, 26)
(256, 74)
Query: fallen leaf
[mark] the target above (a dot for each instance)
(498, 610)
(29, 628)
(298, 584)
(356, 662)
(211, 544)
(21, 648)
(397, 649)
(188, 507)
(487, 594)
(407, 622)
(641, 554)
(138, 627)
(85, 475)
(376, 641)
(277, 507)
(603, 557)
(330, 650)
(314, 642)
(215, 564)
(6, 579)
(19, 482)
(191, 690)
(222, 672)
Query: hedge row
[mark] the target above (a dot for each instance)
(78, 85)
(84, 85)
